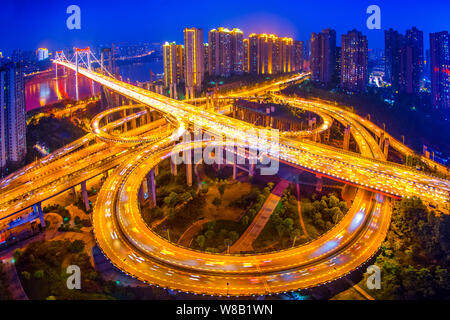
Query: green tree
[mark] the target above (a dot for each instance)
(171, 200)
(295, 234)
(245, 221)
(39, 274)
(76, 246)
(209, 234)
(221, 187)
(26, 275)
(200, 241)
(217, 202)
(234, 236)
(228, 242)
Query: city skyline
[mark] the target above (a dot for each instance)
(287, 20)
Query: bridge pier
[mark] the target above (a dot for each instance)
(173, 168)
(141, 197)
(381, 139)
(151, 186)
(189, 173)
(74, 191)
(386, 147)
(347, 138)
(251, 170)
(234, 164)
(85, 196)
(37, 209)
(319, 183)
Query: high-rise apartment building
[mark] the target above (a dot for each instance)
(414, 38)
(253, 53)
(12, 114)
(173, 63)
(354, 61)
(269, 54)
(323, 56)
(237, 51)
(194, 56)
(298, 53)
(440, 69)
(226, 52)
(42, 54)
(392, 44)
(246, 55)
(404, 61)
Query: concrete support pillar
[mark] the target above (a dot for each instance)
(85, 196)
(151, 186)
(386, 147)
(347, 138)
(319, 183)
(189, 173)
(234, 164)
(37, 208)
(74, 191)
(381, 139)
(251, 170)
(133, 123)
(173, 168)
(141, 197)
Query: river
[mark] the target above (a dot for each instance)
(45, 89)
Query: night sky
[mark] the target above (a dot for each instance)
(32, 24)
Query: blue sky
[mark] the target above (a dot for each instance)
(31, 24)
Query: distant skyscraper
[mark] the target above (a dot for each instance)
(286, 54)
(253, 53)
(323, 56)
(237, 51)
(246, 55)
(440, 69)
(12, 114)
(354, 61)
(42, 54)
(226, 52)
(173, 63)
(194, 55)
(337, 72)
(298, 53)
(206, 57)
(414, 37)
(404, 61)
(392, 44)
(269, 54)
